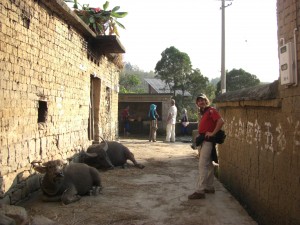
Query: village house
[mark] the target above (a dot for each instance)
(158, 93)
(139, 105)
(59, 85)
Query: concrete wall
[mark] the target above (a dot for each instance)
(44, 60)
(260, 159)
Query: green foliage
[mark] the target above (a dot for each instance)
(129, 84)
(238, 79)
(141, 87)
(101, 21)
(174, 68)
(197, 83)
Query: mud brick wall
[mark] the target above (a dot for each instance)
(260, 159)
(45, 72)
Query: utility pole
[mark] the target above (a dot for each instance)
(223, 72)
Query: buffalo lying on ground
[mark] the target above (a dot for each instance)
(108, 155)
(67, 182)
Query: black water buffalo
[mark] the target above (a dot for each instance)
(108, 155)
(67, 182)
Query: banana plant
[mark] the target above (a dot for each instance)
(101, 21)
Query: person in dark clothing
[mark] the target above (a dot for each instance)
(125, 119)
(184, 122)
(153, 115)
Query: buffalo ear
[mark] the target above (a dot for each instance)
(40, 169)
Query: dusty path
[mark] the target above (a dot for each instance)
(152, 196)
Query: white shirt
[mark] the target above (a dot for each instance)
(173, 112)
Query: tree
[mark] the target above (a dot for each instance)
(129, 83)
(238, 79)
(132, 79)
(197, 83)
(174, 68)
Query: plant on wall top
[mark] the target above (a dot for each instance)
(101, 21)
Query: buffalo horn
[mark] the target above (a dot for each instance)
(105, 148)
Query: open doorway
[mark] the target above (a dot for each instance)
(95, 87)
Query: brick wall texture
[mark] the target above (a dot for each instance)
(42, 58)
(260, 159)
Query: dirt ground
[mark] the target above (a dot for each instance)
(154, 195)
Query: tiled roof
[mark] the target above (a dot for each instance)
(161, 87)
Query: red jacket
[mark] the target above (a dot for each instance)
(208, 120)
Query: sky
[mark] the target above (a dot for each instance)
(194, 27)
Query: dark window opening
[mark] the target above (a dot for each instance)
(26, 19)
(70, 33)
(107, 99)
(26, 22)
(42, 112)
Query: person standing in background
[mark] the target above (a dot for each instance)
(125, 119)
(171, 121)
(184, 122)
(153, 115)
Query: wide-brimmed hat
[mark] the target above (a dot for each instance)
(203, 96)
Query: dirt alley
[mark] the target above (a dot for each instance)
(154, 195)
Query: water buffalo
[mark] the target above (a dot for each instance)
(107, 155)
(67, 182)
